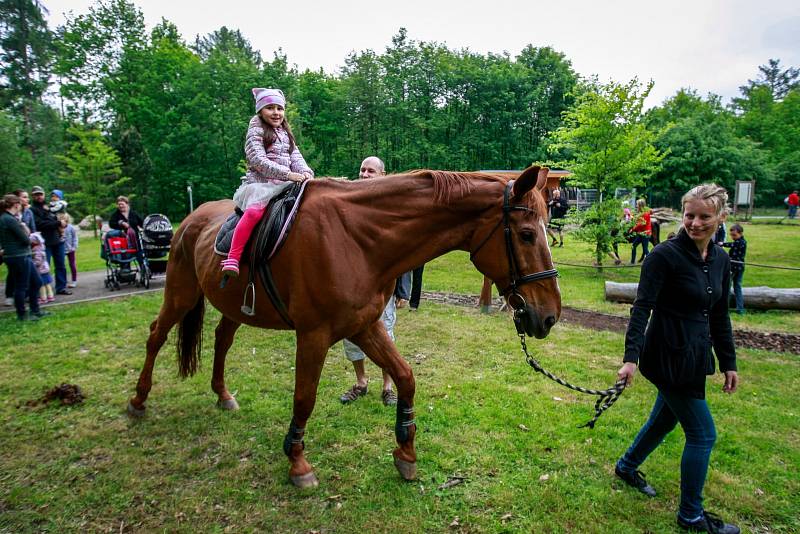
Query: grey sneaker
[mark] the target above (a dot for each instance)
(353, 393)
(708, 523)
(389, 397)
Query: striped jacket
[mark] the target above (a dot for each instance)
(274, 164)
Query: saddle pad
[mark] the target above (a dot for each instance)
(278, 219)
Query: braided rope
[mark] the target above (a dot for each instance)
(607, 397)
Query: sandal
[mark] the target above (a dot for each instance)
(389, 397)
(353, 393)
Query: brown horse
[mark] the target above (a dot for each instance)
(337, 270)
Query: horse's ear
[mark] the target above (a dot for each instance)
(532, 177)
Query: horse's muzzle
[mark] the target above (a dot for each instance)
(528, 322)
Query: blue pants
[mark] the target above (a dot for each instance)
(59, 255)
(792, 212)
(695, 418)
(644, 240)
(26, 283)
(736, 279)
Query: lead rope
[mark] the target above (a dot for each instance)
(607, 397)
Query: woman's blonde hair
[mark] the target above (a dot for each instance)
(641, 204)
(713, 193)
(124, 199)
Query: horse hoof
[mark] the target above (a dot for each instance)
(309, 480)
(408, 470)
(133, 411)
(228, 404)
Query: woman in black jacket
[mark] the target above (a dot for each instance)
(684, 283)
(16, 245)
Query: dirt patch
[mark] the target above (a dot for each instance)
(68, 394)
(772, 341)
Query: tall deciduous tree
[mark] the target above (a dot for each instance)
(607, 142)
(24, 56)
(93, 170)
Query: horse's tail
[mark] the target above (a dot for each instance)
(190, 339)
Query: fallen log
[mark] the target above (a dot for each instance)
(761, 298)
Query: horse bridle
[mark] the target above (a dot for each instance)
(513, 270)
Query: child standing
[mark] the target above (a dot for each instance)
(70, 246)
(46, 292)
(738, 250)
(273, 162)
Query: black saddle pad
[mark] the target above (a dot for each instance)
(271, 231)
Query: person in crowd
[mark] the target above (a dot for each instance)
(408, 290)
(273, 162)
(641, 230)
(371, 167)
(71, 247)
(126, 220)
(16, 246)
(402, 290)
(558, 207)
(26, 217)
(50, 227)
(416, 288)
(738, 251)
(679, 315)
(792, 202)
(39, 257)
(722, 233)
(58, 207)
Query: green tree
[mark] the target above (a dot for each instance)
(24, 56)
(15, 162)
(606, 140)
(775, 79)
(93, 170)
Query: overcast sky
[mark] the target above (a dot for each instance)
(709, 45)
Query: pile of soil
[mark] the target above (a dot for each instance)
(68, 394)
(772, 341)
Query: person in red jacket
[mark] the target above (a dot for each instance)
(642, 230)
(793, 201)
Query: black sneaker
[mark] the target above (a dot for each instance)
(27, 317)
(41, 313)
(64, 292)
(709, 523)
(636, 480)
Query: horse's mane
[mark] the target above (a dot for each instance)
(448, 185)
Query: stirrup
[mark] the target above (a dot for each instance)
(249, 310)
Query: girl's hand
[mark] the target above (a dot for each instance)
(296, 177)
(626, 373)
(731, 382)
(308, 175)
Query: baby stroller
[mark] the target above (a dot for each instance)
(156, 237)
(124, 263)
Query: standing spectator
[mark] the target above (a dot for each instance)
(16, 247)
(71, 246)
(39, 258)
(371, 167)
(722, 233)
(680, 313)
(641, 230)
(792, 202)
(558, 209)
(738, 251)
(26, 216)
(50, 227)
(408, 289)
(416, 288)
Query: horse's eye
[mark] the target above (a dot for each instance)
(527, 236)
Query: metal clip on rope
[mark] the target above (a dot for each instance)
(607, 397)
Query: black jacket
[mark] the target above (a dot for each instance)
(46, 223)
(558, 207)
(13, 239)
(133, 219)
(688, 298)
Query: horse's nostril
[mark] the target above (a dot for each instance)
(550, 321)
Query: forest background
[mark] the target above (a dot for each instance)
(99, 106)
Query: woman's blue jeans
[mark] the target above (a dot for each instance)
(695, 418)
(639, 240)
(26, 283)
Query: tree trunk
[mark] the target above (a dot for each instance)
(761, 298)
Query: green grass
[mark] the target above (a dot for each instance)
(481, 414)
(583, 287)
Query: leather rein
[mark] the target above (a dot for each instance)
(515, 278)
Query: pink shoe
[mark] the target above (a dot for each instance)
(230, 267)
(42, 300)
(51, 299)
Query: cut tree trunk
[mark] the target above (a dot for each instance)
(761, 298)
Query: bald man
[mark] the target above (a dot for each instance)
(371, 167)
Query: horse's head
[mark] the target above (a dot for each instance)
(510, 247)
